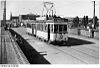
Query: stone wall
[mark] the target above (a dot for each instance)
(83, 33)
(73, 31)
(96, 35)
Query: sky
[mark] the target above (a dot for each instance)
(64, 8)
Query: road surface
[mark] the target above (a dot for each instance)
(86, 52)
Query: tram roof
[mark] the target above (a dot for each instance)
(49, 21)
(30, 21)
(53, 21)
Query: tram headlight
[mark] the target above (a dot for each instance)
(61, 36)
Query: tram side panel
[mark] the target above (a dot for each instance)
(61, 37)
(45, 34)
(29, 30)
(42, 34)
(34, 30)
(52, 37)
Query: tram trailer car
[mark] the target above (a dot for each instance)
(29, 28)
(49, 30)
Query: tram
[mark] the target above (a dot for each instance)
(49, 30)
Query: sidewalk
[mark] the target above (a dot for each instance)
(84, 38)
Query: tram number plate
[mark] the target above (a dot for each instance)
(61, 36)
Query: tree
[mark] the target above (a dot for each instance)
(85, 21)
(96, 24)
(76, 21)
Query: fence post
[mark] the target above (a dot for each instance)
(79, 31)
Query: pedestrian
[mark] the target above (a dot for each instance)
(90, 33)
(15, 37)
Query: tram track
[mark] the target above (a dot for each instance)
(90, 47)
(16, 50)
(76, 54)
(66, 53)
(90, 52)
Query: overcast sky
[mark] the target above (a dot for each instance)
(65, 8)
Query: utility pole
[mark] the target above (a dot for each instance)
(94, 9)
(10, 16)
(93, 25)
(94, 15)
(4, 14)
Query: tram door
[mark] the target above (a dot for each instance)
(33, 29)
(48, 32)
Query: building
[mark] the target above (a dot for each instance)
(27, 18)
(14, 20)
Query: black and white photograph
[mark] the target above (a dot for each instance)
(48, 32)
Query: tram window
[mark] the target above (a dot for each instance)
(51, 28)
(55, 28)
(38, 26)
(60, 28)
(46, 27)
(65, 27)
(34, 26)
(29, 25)
(42, 27)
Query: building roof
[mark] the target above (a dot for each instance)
(29, 17)
(14, 17)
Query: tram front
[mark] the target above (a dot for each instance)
(61, 33)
